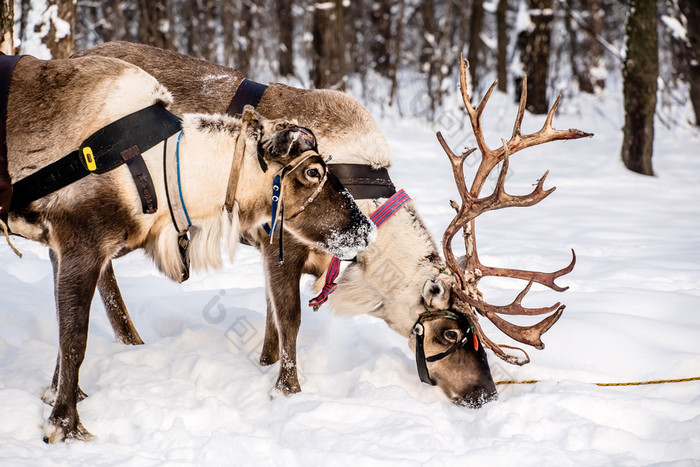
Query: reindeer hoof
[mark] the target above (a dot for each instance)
(57, 434)
(276, 392)
(267, 359)
(129, 339)
(50, 392)
(285, 388)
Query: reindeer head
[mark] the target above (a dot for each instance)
(449, 355)
(317, 209)
(450, 344)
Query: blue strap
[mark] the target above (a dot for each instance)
(179, 184)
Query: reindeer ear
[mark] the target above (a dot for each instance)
(306, 140)
(249, 115)
(283, 139)
(436, 294)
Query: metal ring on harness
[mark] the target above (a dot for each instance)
(419, 330)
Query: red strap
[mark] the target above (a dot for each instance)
(379, 216)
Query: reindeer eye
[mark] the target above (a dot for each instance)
(451, 335)
(313, 173)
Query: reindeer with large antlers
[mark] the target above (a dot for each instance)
(467, 300)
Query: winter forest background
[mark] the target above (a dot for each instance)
(376, 49)
(195, 394)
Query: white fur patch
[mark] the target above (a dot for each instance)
(210, 237)
(134, 85)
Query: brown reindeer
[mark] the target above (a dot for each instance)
(55, 106)
(346, 131)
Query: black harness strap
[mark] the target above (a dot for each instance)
(364, 182)
(7, 66)
(419, 331)
(248, 93)
(120, 142)
(142, 178)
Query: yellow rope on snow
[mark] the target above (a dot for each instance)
(638, 383)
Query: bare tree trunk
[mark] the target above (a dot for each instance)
(474, 55)
(286, 38)
(59, 39)
(691, 11)
(535, 48)
(397, 51)
(640, 72)
(340, 41)
(244, 38)
(584, 26)
(191, 18)
(7, 18)
(209, 30)
(380, 36)
(229, 33)
(155, 25)
(428, 56)
(502, 35)
(328, 66)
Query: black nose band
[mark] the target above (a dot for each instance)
(419, 331)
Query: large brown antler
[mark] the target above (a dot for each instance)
(467, 278)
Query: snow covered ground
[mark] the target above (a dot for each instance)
(194, 394)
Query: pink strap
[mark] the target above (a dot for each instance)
(379, 216)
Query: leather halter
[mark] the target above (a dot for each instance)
(419, 331)
(363, 181)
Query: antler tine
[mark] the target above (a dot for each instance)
(547, 133)
(457, 167)
(521, 111)
(529, 335)
(467, 297)
(490, 157)
(457, 163)
(488, 343)
(514, 308)
(501, 199)
(544, 278)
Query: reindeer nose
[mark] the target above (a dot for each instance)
(476, 398)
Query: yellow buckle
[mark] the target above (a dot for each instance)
(89, 159)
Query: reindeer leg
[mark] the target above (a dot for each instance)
(49, 395)
(270, 350)
(124, 330)
(78, 271)
(283, 280)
